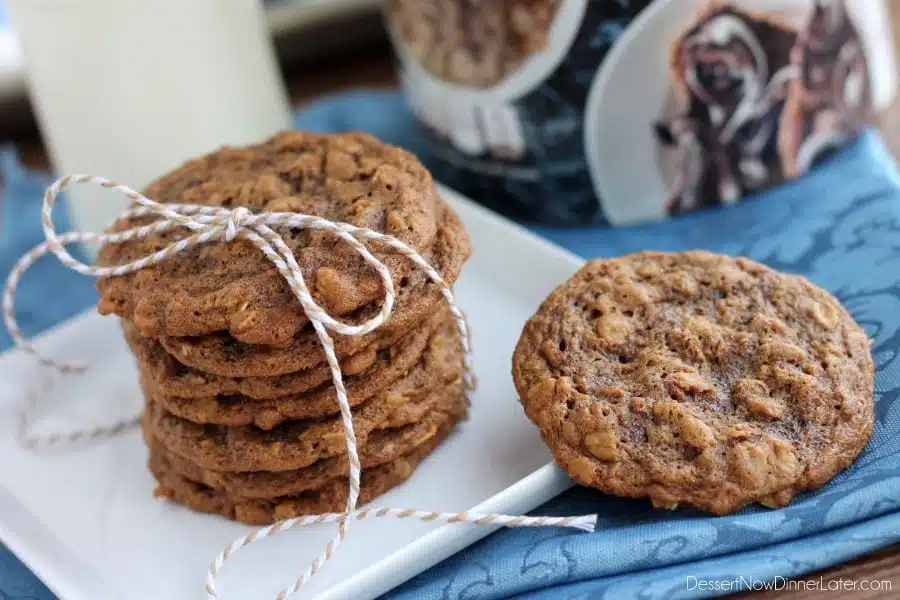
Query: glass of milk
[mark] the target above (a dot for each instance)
(131, 89)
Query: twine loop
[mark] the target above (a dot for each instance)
(236, 221)
(208, 224)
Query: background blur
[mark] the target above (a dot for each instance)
(304, 31)
(322, 46)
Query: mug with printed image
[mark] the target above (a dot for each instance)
(588, 112)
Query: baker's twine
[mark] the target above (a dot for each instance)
(215, 224)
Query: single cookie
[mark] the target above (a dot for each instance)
(298, 444)
(472, 43)
(441, 350)
(383, 446)
(232, 287)
(372, 368)
(332, 497)
(417, 299)
(697, 379)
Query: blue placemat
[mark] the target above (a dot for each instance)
(840, 226)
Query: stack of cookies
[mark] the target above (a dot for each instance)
(241, 415)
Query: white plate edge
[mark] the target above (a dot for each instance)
(537, 487)
(549, 479)
(510, 227)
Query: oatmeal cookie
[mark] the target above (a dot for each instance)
(417, 299)
(439, 354)
(297, 444)
(232, 287)
(331, 497)
(696, 378)
(383, 446)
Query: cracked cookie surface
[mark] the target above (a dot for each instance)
(232, 287)
(696, 378)
(417, 299)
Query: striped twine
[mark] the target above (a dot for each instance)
(213, 224)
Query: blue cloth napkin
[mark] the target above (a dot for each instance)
(839, 225)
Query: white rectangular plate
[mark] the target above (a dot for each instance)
(83, 518)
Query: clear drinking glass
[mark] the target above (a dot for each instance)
(130, 89)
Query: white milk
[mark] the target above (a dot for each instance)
(129, 89)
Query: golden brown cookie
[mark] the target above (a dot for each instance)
(440, 354)
(417, 299)
(472, 43)
(232, 287)
(331, 497)
(697, 379)
(372, 368)
(298, 444)
(383, 446)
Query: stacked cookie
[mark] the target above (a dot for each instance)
(241, 415)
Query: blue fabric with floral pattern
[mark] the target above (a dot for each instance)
(840, 226)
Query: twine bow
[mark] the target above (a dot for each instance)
(211, 224)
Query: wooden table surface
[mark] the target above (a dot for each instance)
(372, 67)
